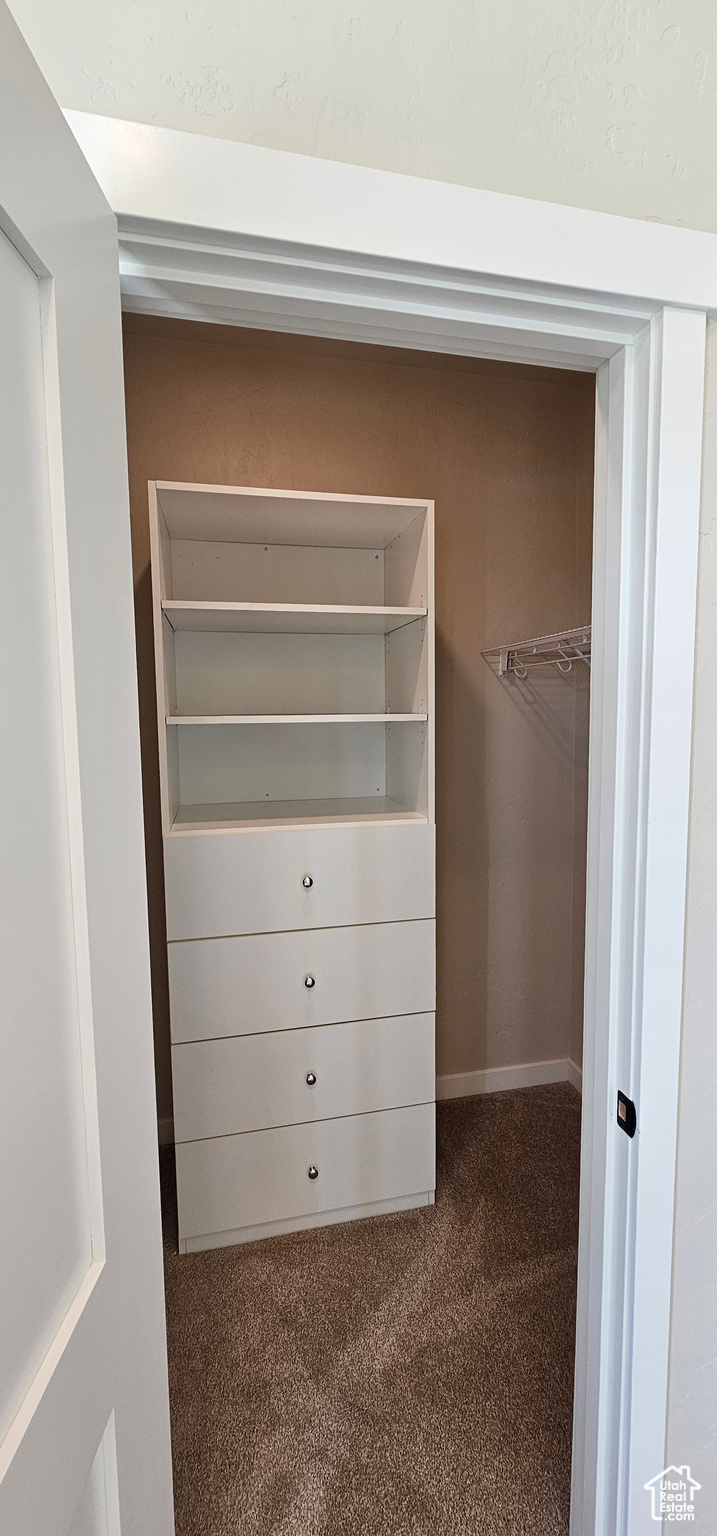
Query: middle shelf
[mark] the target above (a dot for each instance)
(333, 719)
(287, 618)
(255, 676)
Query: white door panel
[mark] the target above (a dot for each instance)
(97, 1513)
(84, 1427)
(44, 1209)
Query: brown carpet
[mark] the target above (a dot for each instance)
(406, 1375)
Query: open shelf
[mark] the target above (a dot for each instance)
(233, 815)
(291, 719)
(287, 618)
(259, 515)
(294, 635)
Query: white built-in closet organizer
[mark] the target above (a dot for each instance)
(295, 657)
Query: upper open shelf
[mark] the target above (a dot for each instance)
(294, 635)
(248, 515)
(231, 548)
(287, 618)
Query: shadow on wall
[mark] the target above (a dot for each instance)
(154, 852)
(462, 868)
(546, 699)
(508, 865)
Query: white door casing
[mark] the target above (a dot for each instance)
(218, 231)
(84, 1429)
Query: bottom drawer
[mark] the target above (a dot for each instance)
(262, 1177)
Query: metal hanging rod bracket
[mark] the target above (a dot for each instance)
(559, 650)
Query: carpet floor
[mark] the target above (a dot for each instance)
(407, 1375)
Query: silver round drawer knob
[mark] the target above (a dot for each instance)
(307, 882)
(309, 981)
(313, 1172)
(311, 1078)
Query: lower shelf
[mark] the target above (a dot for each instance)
(287, 813)
(332, 719)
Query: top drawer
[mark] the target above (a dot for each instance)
(227, 883)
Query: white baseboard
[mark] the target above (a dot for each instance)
(532, 1074)
(165, 1131)
(575, 1076)
(305, 1223)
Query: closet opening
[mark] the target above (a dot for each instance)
(408, 1368)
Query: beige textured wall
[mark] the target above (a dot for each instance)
(610, 106)
(507, 453)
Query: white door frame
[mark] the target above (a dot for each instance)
(218, 231)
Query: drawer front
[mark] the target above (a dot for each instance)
(251, 882)
(256, 983)
(258, 1081)
(262, 1176)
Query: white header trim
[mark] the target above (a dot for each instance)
(190, 180)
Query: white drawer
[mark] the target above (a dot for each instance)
(251, 882)
(262, 1176)
(258, 1081)
(256, 983)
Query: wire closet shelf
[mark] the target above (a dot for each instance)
(561, 650)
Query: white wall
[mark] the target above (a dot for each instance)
(692, 1428)
(608, 104)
